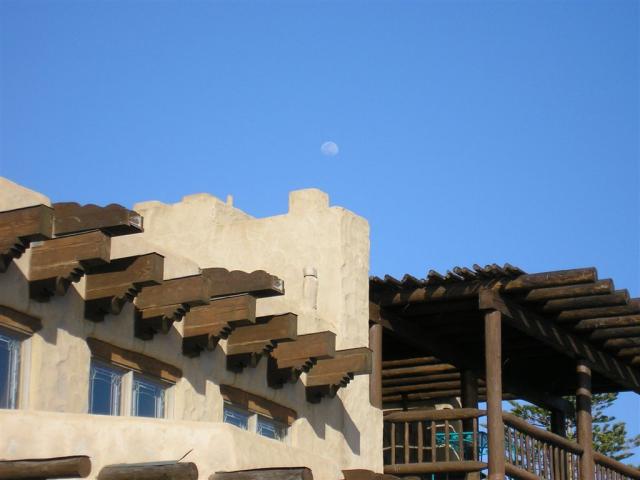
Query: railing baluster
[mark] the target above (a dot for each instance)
(474, 439)
(406, 442)
(420, 442)
(393, 444)
(447, 453)
(434, 455)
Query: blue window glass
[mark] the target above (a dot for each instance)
(270, 428)
(236, 417)
(104, 389)
(148, 397)
(9, 369)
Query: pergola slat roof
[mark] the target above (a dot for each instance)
(551, 318)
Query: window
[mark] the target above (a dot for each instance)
(236, 417)
(148, 397)
(256, 414)
(267, 427)
(105, 389)
(124, 382)
(9, 369)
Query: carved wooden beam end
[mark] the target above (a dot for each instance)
(56, 263)
(258, 283)
(71, 217)
(158, 306)
(110, 286)
(247, 344)
(328, 376)
(290, 359)
(21, 226)
(205, 325)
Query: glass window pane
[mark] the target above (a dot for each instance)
(104, 389)
(270, 428)
(148, 397)
(236, 417)
(9, 370)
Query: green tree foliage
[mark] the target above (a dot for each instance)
(610, 437)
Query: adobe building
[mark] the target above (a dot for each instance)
(192, 340)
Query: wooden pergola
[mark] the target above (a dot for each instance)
(496, 332)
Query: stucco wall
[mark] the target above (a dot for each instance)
(344, 432)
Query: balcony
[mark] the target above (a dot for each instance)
(452, 444)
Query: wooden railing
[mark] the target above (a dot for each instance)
(534, 453)
(609, 469)
(449, 441)
(433, 441)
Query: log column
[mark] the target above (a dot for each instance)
(495, 425)
(584, 425)
(469, 390)
(375, 379)
(559, 423)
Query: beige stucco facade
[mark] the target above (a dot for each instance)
(321, 253)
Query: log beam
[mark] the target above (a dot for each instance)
(568, 316)
(620, 297)
(56, 263)
(247, 344)
(21, 226)
(150, 471)
(108, 287)
(607, 322)
(42, 468)
(71, 217)
(292, 473)
(601, 287)
(205, 325)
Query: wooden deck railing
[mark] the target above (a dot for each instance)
(534, 453)
(433, 441)
(449, 441)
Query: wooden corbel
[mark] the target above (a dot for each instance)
(58, 262)
(247, 344)
(328, 376)
(21, 226)
(259, 283)
(71, 217)
(205, 325)
(290, 359)
(108, 287)
(158, 306)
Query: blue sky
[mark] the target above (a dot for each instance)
(468, 132)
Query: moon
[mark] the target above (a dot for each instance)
(329, 149)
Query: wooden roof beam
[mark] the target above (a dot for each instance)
(43, 468)
(258, 283)
(290, 359)
(71, 217)
(247, 344)
(600, 287)
(205, 325)
(21, 226)
(619, 297)
(158, 306)
(108, 287)
(631, 308)
(568, 344)
(329, 375)
(56, 263)
(607, 322)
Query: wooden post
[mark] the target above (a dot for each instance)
(469, 390)
(558, 423)
(375, 379)
(584, 425)
(495, 424)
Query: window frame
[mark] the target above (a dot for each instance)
(96, 362)
(141, 379)
(15, 348)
